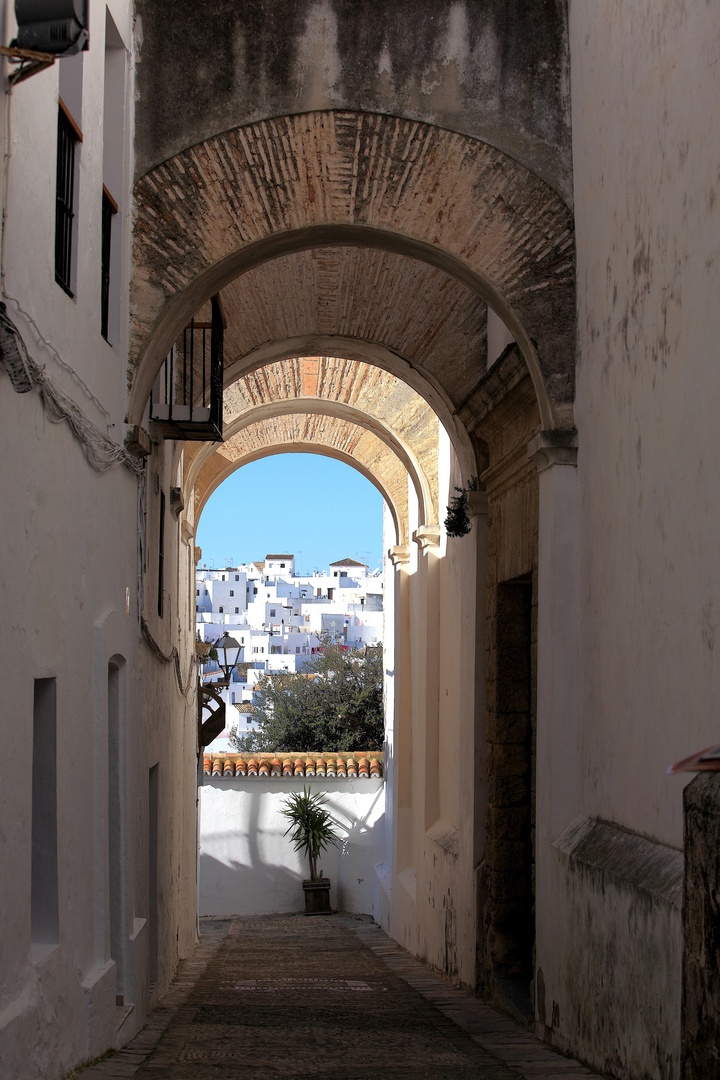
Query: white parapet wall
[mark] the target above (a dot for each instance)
(248, 866)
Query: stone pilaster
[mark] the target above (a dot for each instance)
(558, 798)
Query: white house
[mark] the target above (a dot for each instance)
(279, 618)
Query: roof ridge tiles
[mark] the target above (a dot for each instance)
(353, 764)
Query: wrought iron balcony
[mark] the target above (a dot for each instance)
(187, 399)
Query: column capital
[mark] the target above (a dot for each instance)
(477, 503)
(399, 555)
(553, 448)
(427, 536)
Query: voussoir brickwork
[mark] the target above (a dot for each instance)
(349, 409)
(342, 179)
(312, 433)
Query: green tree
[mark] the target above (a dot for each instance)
(335, 703)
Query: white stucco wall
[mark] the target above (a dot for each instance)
(247, 864)
(646, 149)
(69, 537)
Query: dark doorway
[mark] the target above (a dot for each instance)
(508, 886)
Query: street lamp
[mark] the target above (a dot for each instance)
(228, 650)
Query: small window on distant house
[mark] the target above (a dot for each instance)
(282, 565)
(221, 609)
(237, 610)
(232, 592)
(237, 577)
(197, 592)
(222, 578)
(297, 648)
(254, 592)
(272, 612)
(206, 593)
(233, 699)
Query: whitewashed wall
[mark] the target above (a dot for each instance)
(646, 150)
(247, 865)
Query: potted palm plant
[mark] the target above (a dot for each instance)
(312, 831)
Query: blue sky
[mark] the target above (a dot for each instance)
(306, 505)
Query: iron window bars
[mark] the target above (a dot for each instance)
(109, 209)
(64, 200)
(187, 399)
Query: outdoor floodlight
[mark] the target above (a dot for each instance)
(52, 26)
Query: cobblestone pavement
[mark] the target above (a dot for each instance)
(291, 998)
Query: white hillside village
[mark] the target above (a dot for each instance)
(279, 619)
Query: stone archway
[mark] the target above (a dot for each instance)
(303, 434)
(386, 241)
(348, 407)
(321, 181)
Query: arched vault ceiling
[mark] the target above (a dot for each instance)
(329, 179)
(314, 434)
(415, 310)
(345, 388)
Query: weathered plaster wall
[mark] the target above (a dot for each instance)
(65, 618)
(621, 942)
(247, 864)
(69, 540)
(645, 85)
(491, 70)
(432, 897)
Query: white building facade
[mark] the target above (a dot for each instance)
(280, 620)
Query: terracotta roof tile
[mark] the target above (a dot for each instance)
(332, 765)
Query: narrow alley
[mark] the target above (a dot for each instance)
(332, 999)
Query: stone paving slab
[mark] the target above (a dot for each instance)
(289, 998)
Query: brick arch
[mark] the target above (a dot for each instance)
(272, 410)
(347, 442)
(369, 354)
(247, 196)
(360, 393)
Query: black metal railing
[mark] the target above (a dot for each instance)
(64, 201)
(187, 398)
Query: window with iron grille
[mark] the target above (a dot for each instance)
(68, 138)
(109, 209)
(161, 555)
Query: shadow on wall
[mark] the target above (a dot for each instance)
(248, 866)
(247, 890)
